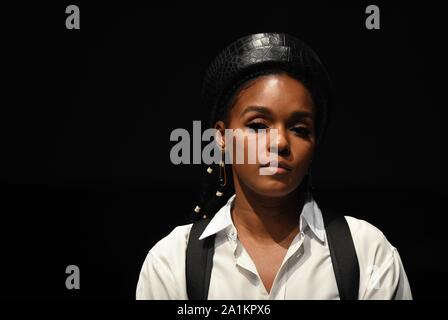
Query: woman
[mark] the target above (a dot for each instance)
(270, 239)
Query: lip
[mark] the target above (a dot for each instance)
(281, 167)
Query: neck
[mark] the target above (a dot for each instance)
(267, 219)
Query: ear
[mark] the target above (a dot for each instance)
(220, 127)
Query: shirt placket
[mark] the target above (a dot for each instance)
(244, 261)
(278, 288)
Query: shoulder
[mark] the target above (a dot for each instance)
(173, 246)
(368, 238)
(363, 230)
(382, 275)
(373, 249)
(163, 272)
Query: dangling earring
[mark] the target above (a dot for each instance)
(222, 177)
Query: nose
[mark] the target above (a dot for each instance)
(282, 142)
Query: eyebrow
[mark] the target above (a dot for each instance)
(299, 115)
(296, 115)
(259, 109)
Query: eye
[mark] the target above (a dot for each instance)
(301, 131)
(257, 125)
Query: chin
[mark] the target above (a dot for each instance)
(275, 188)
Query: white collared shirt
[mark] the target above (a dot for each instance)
(305, 273)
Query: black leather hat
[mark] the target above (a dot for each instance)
(253, 54)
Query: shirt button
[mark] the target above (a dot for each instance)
(232, 236)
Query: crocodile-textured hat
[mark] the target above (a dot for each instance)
(256, 54)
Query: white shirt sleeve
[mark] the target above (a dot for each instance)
(382, 275)
(156, 281)
(162, 276)
(388, 281)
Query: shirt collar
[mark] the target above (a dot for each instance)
(220, 221)
(311, 216)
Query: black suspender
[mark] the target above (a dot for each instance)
(199, 258)
(343, 255)
(199, 261)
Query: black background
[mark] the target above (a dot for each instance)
(87, 115)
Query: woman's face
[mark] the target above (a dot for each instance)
(273, 102)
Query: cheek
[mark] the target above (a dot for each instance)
(244, 147)
(247, 174)
(303, 153)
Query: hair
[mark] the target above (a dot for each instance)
(210, 203)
